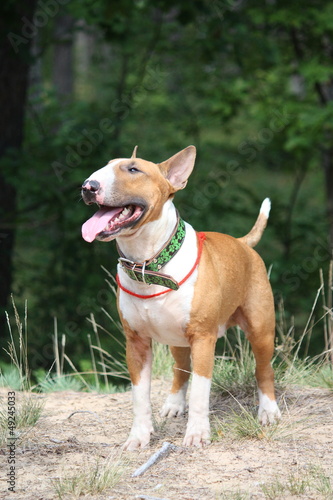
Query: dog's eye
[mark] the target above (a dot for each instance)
(133, 170)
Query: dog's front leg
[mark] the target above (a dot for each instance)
(198, 427)
(139, 360)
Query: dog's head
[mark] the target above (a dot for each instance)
(132, 191)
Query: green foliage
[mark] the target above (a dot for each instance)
(324, 377)
(11, 377)
(55, 384)
(248, 84)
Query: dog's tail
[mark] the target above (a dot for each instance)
(254, 236)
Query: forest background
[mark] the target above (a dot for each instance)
(248, 82)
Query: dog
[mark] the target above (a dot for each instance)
(181, 288)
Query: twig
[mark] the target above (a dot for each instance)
(86, 411)
(161, 453)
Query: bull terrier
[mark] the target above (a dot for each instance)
(180, 288)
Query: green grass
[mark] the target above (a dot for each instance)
(234, 370)
(311, 483)
(162, 362)
(97, 375)
(321, 482)
(233, 495)
(323, 377)
(56, 383)
(11, 377)
(242, 424)
(91, 478)
(18, 355)
(28, 410)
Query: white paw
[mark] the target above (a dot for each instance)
(269, 417)
(197, 433)
(269, 412)
(139, 437)
(174, 406)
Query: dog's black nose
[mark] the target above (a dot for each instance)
(92, 186)
(90, 191)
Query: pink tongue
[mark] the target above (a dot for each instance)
(98, 222)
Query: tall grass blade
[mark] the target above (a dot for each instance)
(93, 362)
(101, 356)
(305, 331)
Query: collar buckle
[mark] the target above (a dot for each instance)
(148, 272)
(134, 265)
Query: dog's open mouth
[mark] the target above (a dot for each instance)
(109, 221)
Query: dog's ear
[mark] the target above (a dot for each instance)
(134, 152)
(178, 168)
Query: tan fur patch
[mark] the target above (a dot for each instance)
(137, 349)
(147, 187)
(182, 367)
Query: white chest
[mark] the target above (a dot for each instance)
(163, 318)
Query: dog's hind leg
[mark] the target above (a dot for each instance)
(263, 347)
(258, 321)
(176, 401)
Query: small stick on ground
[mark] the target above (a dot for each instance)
(86, 411)
(161, 453)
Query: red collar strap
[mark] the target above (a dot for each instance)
(201, 238)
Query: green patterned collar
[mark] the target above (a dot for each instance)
(149, 271)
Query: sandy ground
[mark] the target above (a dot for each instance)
(60, 445)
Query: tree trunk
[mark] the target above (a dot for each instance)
(85, 43)
(15, 35)
(63, 56)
